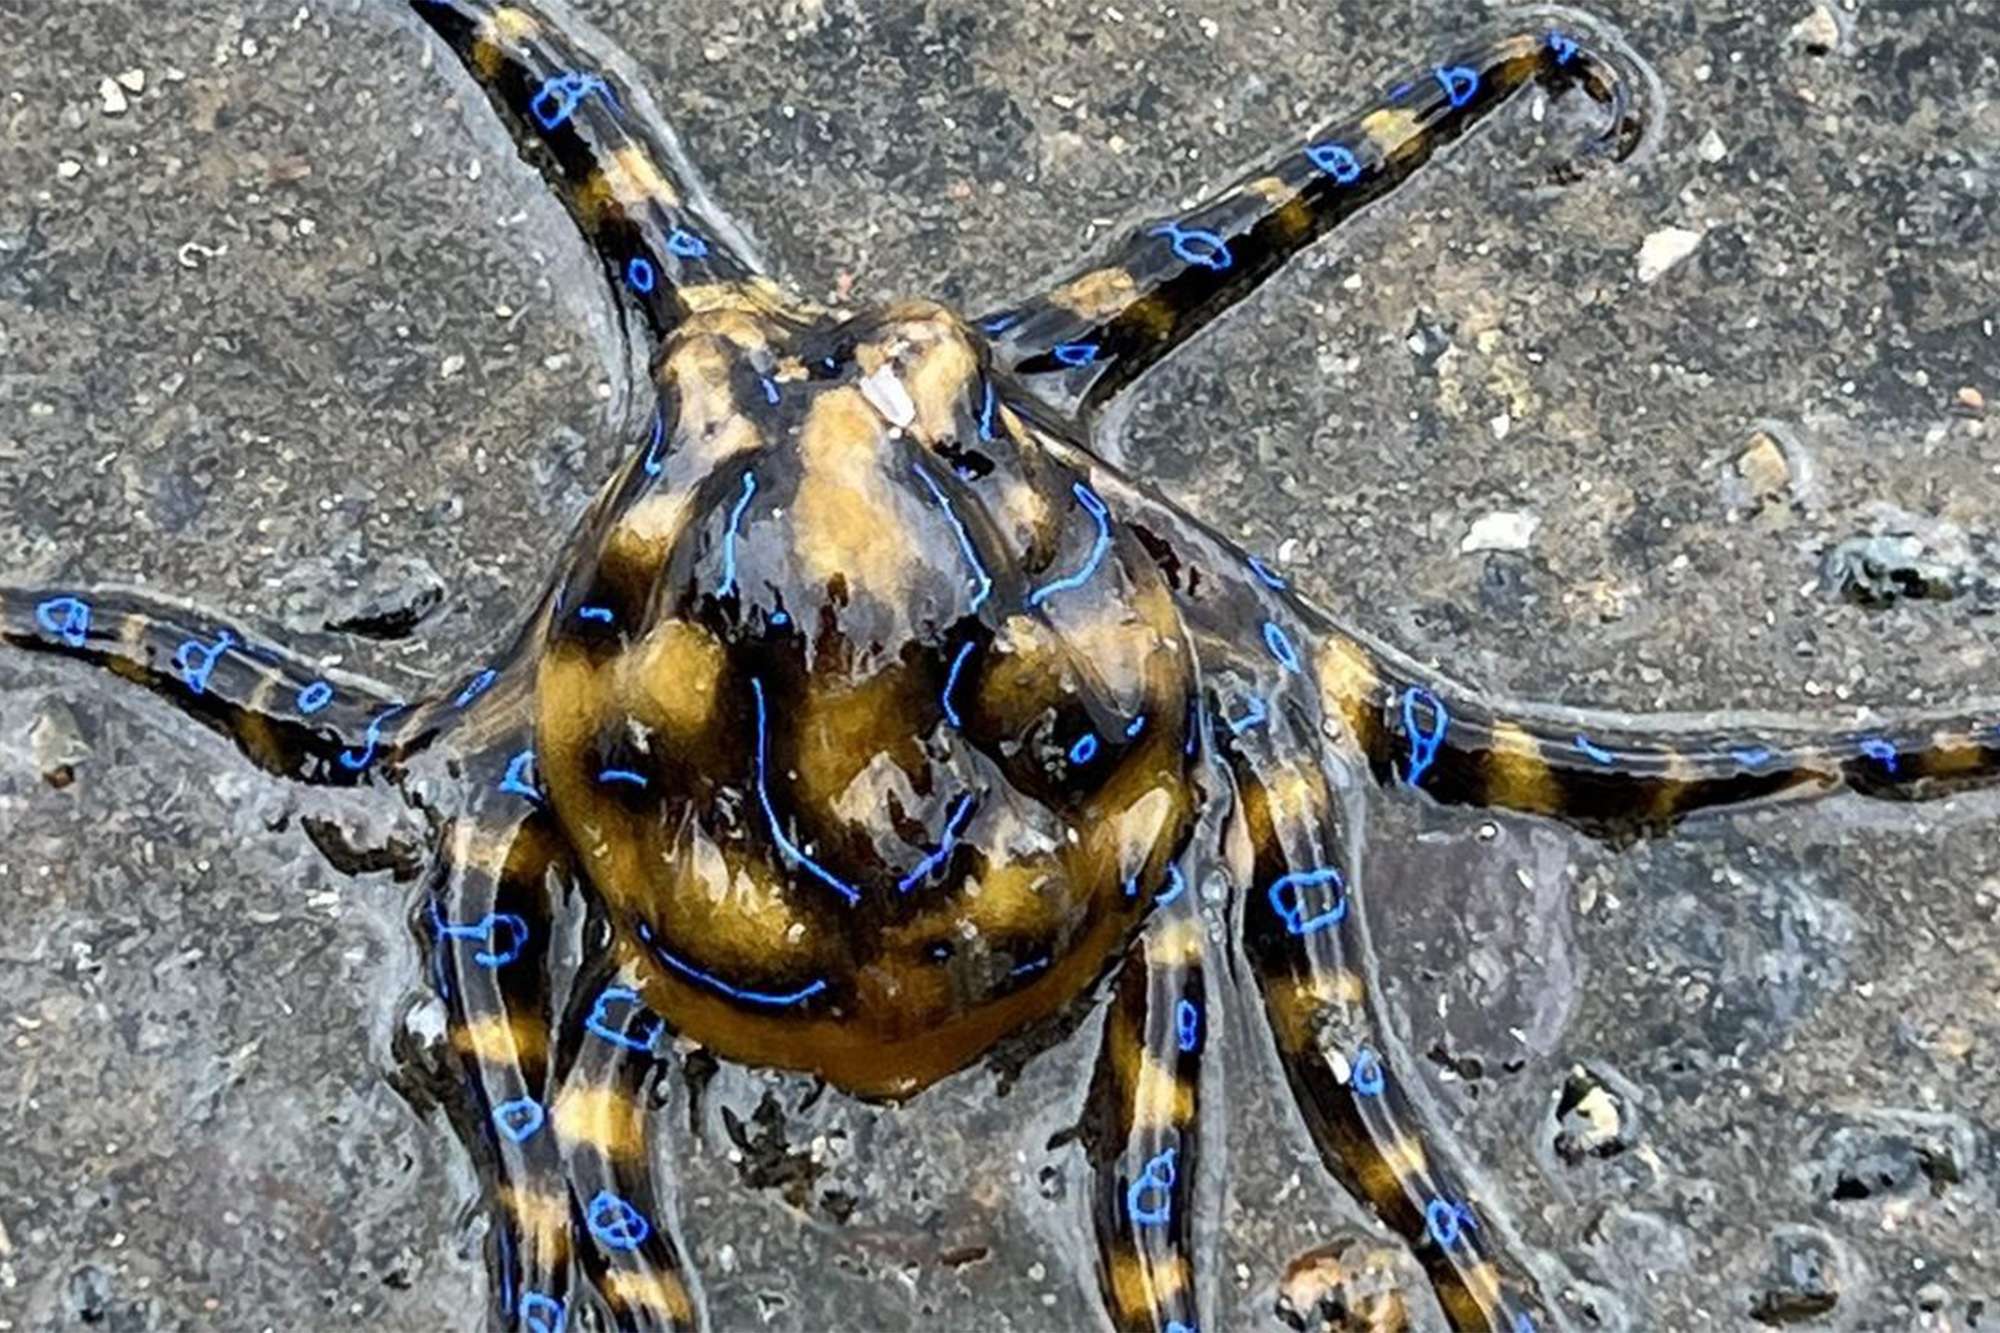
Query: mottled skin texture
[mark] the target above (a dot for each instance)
(875, 720)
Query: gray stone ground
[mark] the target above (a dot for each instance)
(295, 314)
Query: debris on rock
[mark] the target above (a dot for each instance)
(1502, 530)
(1665, 249)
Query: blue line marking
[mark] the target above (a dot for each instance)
(986, 414)
(1264, 572)
(770, 389)
(542, 1313)
(1148, 1200)
(1564, 46)
(1881, 751)
(1253, 715)
(1460, 84)
(68, 618)
(1031, 966)
(1336, 160)
(1752, 756)
(1187, 1025)
(1000, 323)
(1085, 748)
(478, 686)
(653, 462)
(623, 776)
(1447, 1221)
(951, 683)
(616, 1224)
(1287, 895)
(954, 823)
(1367, 1074)
(314, 697)
(486, 930)
(639, 274)
(1176, 1326)
(785, 844)
(983, 580)
(196, 676)
(729, 536)
(1100, 516)
(558, 98)
(353, 762)
(519, 1119)
(1423, 744)
(1176, 886)
(1280, 645)
(776, 999)
(601, 1019)
(1194, 245)
(1596, 753)
(602, 614)
(1076, 354)
(517, 782)
(1134, 727)
(686, 244)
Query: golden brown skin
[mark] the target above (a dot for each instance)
(875, 719)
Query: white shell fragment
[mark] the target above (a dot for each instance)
(1502, 530)
(1664, 249)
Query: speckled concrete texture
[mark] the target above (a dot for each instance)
(285, 327)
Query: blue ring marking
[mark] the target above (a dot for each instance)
(1423, 745)
(558, 98)
(954, 824)
(1176, 886)
(776, 999)
(478, 685)
(542, 1313)
(1156, 1179)
(519, 1119)
(1597, 753)
(1281, 647)
(1460, 84)
(599, 1021)
(640, 276)
(196, 677)
(1099, 515)
(623, 776)
(1290, 906)
(1752, 756)
(68, 618)
(1085, 748)
(1881, 751)
(1194, 245)
(1336, 160)
(485, 930)
(1135, 726)
(1264, 572)
(1447, 1221)
(964, 538)
(1564, 46)
(1366, 1074)
(602, 614)
(986, 414)
(516, 780)
(616, 1224)
(965, 651)
(780, 618)
(314, 697)
(1000, 323)
(729, 536)
(785, 844)
(353, 762)
(653, 463)
(686, 244)
(1187, 1024)
(1076, 354)
(770, 389)
(1254, 715)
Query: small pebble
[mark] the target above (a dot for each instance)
(1502, 530)
(1818, 32)
(112, 98)
(1664, 249)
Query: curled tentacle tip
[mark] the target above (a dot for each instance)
(1583, 51)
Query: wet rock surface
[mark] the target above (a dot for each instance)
(296, 305)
